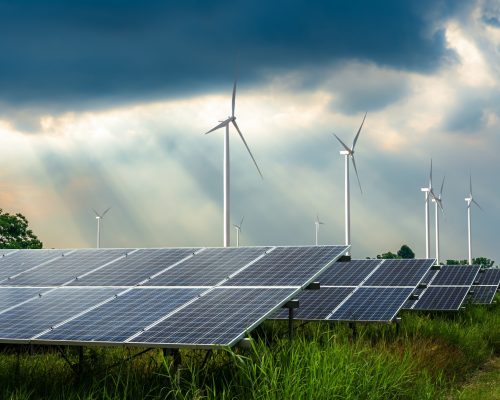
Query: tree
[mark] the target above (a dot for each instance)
(388, 255)
(14, 233)
(406, 252)
(482, 261)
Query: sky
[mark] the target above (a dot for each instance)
(105, 103)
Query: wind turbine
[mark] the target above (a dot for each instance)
(428, 193)
(225, 124)
(98, 217)
(438, 202)
(469, 201)
(317, 223)
(349, 153)
(238, 231)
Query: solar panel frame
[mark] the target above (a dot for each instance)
(441, 298)
(349, 273)
(455, 275)
(400, 272)
(483, 294)
(489, 277)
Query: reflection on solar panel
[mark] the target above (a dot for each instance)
(350, 273)
(442, 298)
(64, 269)
(23, 260)
(6, 252)
(287, 266)
(483, 294)
(124, 316)
(221, 317)
(208, 267)
(454, 275)
(11, 296)
(399, 273)
(39, 314)
(134, 268)
(490, 276)
(372, 304)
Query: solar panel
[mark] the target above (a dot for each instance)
(429, 276)
(483, 294)
(64, 269)
(122, 317)
(208, 267)
(350, 273)
(372, 304)
(490, 276)
(442, 298)
(10, 296)
(6, 252)
(317, 305)
(134, 268)
(22, 260)
(406, 272)
(454, 275)
(31, 318)
(288, 266)
(221, 317)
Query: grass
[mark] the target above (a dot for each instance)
(430, 356)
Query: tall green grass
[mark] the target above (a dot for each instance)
(427, 356)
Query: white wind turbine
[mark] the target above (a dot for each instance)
(98, 217)
(438, 202)
(428, 194)
(317, 223)
(225, 124)
(349, 153)
(238, 231)
(469, 201)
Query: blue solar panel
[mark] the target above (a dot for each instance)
(288, 266)
(220, 317)
(489, 276)
(12, 296)
(350, 273)
(483, 294)
(406, 272)
(442, 298)
(39, 314)
(64, 269)
(23, 260)
(6, 252)
(122, 317)
(454, 275)
(134, 268)
(372, 304)
(317, 304)
(208, 267)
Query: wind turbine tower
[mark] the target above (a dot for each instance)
(238, 231)
(438, 203)
(469, 200)
(348, 153)
(317, 223)
(98, 217)
(428, 194)
(225, 124)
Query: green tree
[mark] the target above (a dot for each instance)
(482, 261)
(388, 255)
(14, 233)
(406, 252)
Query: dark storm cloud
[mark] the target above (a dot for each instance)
(90, 53)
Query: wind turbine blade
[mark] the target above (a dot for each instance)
(357, 176)
(477, 204)
(96, 213)
(430, 179)
(221, 125)
(470, 184)
(317, 218)
(357, 134)
(342, 143)
(442, 186)
(241, 222)
(248, 148)
(104, 213)
(234, 98)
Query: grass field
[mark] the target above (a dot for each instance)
(449, 356)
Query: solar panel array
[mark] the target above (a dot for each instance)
(488, 282)
(447, 288)
(362, 290)
(170, 297)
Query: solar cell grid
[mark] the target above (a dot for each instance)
(33, 317)
(287, 266)
(483, 294)
(220, 317)
(350, 273)
(23, 260)
(208, 267)
(372, 304)
(10, 296)
(442, 298)
(134, 268)
(406, 272)
(122, 317)
(63, 269)
(489, 276)
(453, 275)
